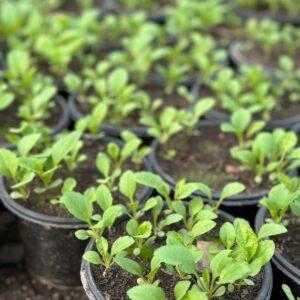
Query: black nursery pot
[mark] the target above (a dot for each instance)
(94, 292)
(244, 206)
(63, 122)
(284, 272)
(52, 252)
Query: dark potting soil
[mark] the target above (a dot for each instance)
(288, 244)
(206, 158)
(15, 284)
(116, 276)
(255, 54)
(86, 176)
(9, 119)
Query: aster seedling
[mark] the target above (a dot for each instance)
(22, 167)
(280, 201)
(270, 154)
(242, 127)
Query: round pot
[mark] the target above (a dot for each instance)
(140, 131)
(94, 292)
(63, 122)
(52, 252)
(287, 123)
(285, 271)
(247, 13)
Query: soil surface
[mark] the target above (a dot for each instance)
(9, 119)
(15, 284)
(86, 176)
(256, 55)
(288, 244)
(206, 158)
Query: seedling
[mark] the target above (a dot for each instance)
(163, 126)
(105, 257)
(111, 163)
(22, 168)
(271, 154)
(280, 201)
(243, 128)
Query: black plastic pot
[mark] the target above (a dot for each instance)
(63, 123)
(94, 292)
(280, 18)
(140, 131)
(287, 123)
(285, 271)
(52, 252)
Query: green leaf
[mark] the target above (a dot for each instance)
(234, 272)
(92, 257)
(104, 197)
(220, 262)
(128, 185)
(6, 100)
(246, 238)
(27, 143)
(176, 255)
(121, 244)
(146, 292)
(232, 189)
(227, 235)
(202, 227)
(117, 80)
(78, 205)
(181, 289)
(129, 265)
(288, 292)
(103, 164)
(271, 229)
(8, 163)
(63, 146)
(154, 181)
(82, 235)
